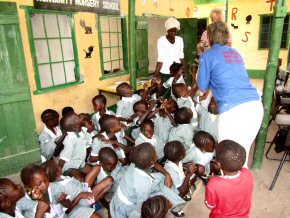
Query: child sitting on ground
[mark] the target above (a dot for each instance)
(72, 157)
(174, 152)
(230, 195)
(75, 196)
(156, 207)
(110, 125)
(51, 137)
(99, 104)
(88, 129)
(137, 185)
(202, 153)
(184, 131)
(147, 135)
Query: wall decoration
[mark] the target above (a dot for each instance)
(89, 52)
(195, 8)
(88, 29)
(170, 8)
(187, 12)
(156, 3)
(248, 19)
(234, 12)
(235, 27)
(97, 6)
(271, 3)
(246, 34)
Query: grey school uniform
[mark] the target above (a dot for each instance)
(88, 136)
(183, 133)
(176, 173)
(162, 127)
(196, 156)
(155, 141)
(97, 145)
(96, 117)
(125, 106)
(74, 151)
(47, 142)
(208, 121)
(168, 84)
(5, 215)
(187, 102)
(26, 206)
(136, 187)
(136, 130)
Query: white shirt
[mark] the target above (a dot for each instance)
(169, 53)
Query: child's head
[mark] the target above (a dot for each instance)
(140, 107)
(10, 193)
(143, 156)
(34, 176)
(52, 170)
(212, 107)
(230, 155)
(156, 207)
(99, 102)
(171, 105)
(174, 151)
(204, 141)
(147, 128)
(50, 118)
(108, 159)
(124, 90)
(174, 68)
(110, 124)
(183, 115)
(71, 123)
(87, 121)
(179, 90)
(67, 110)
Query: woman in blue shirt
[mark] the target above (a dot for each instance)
(222, 70)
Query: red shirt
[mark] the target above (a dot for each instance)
(230, 196)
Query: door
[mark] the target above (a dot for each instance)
(18, 139)
(188, 31)
(142, 61)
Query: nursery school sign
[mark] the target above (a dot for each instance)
(97, 6)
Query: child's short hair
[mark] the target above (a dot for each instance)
(174, 150)
(67, 110)
(106, 154)
(183, 115)
(67, 122)
(48, 114)
(177, 88)
(143, 156)
(146, 122)
(120, 88)
(51, 169)
(202, 138)
(139, 104)
(28, 172)
(175, 67)
(231, 155)
(100, 98)
(107, 121)
(3, 191)
(154, 207)
(85, 116)
(140, 92)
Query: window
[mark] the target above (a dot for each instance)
(265, 31)
(113, 45)
(53, 48)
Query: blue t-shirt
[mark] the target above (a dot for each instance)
(223, 70)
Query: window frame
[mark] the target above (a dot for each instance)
(124, 45)
(260, 33)
(39, 90)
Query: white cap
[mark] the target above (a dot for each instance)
(172, 23)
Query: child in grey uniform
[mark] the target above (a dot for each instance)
(138, 185)
(147, 135)
(51, 137)
(184, 132)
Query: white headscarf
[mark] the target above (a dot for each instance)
(172, 23)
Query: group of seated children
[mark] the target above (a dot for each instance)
(142, 160)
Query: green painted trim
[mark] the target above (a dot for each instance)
(256, 74)
(113, 75)
(53, 88)
(32, 9)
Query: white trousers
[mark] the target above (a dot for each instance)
(241, 124)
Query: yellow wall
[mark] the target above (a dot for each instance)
(79, 96)
(254, 58)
